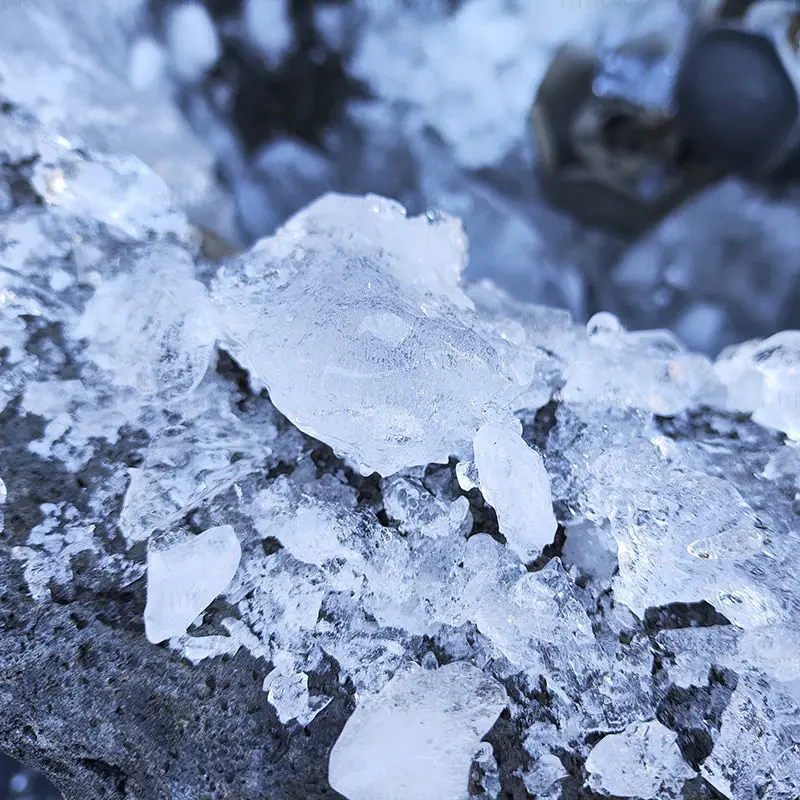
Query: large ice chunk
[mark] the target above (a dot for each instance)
(184, 578)
(417, 737)
(353, 317)
(514, 482)
(643, 761)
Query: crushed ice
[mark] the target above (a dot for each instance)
(606, 479)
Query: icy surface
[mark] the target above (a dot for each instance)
(643, 761)
(417, 737)
(183, 578)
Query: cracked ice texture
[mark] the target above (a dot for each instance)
(418, 736)
(397, 371)
(182, 579)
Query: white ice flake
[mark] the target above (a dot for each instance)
(417, 737)
(184, 578)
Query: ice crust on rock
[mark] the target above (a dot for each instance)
(514, 482)
(183, 578)
(417, 737)
(643, 761)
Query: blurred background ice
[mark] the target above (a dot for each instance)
(425, 101)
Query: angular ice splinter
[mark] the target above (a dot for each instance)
(643, 761)
(514, 482)
(417, 737)
(182, 580)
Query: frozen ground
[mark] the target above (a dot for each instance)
(286, 521)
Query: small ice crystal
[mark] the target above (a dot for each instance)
(417, 737)
(514, 482)
(183, 579)
(643, 761)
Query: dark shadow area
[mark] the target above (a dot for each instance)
(20, 783)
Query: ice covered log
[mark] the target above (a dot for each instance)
(594, 530)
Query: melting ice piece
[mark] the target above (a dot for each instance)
(514, 482)
(417, 737)
(642, 761)
(353, 317)
(763, 378)
(182, 580)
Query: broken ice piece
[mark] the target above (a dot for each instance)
(153, 328)
(763, 378)
(183, 579)
(643, 761)
(353, 318)
(288, 694)
(417, 737)
(514, 482)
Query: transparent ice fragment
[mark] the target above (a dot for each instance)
(757, 752)
(184, 578)
(649, 370)
(417, 737)
(514, 482)
(416, 509)
(154, 328)
(544, 778)
(359, 302)
(190, 462)
(120, 193)
(643, 761)
(200, 648)
(287, 692)
(763, 378)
